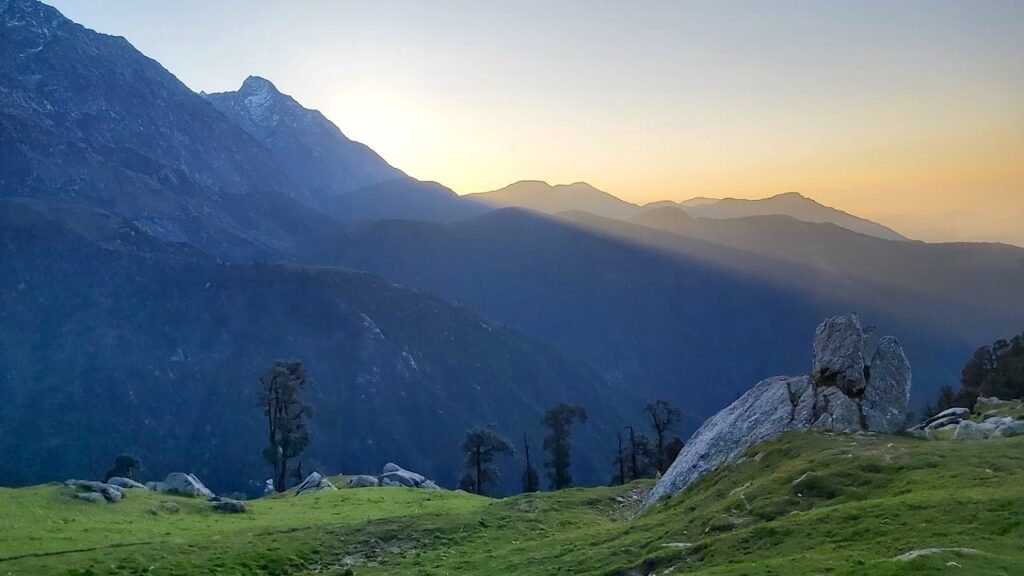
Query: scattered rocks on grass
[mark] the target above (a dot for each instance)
(961, 424)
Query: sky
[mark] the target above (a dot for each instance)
(909, 112)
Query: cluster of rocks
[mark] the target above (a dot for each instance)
(845, 392)
(391, 475)
(956, 424)
(92, 491)
(183, 484)
(178, 483)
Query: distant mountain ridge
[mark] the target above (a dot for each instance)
(791, 204)
(543, 197)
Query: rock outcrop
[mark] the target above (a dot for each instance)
(394, 475)
(843, 393)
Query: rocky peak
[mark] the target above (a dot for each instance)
(257, 95)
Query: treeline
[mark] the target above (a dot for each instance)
(636, 455)
(996, 370)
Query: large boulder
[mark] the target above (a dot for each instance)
(839, 348)
(315, 482)
(182, 484)
(773, 406)
(842, 394)
(888, 390)
(394, 475)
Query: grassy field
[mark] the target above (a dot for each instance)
(807, 504)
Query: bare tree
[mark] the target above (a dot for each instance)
(281, 384)
(664, 417)
(531, 481)
(620, 461)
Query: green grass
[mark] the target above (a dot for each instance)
(807, 504)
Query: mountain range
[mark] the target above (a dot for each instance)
(160, 246)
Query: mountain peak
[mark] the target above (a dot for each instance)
(257, 93)
(254, 84)
(792, 195)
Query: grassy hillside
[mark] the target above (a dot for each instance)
(807, 504)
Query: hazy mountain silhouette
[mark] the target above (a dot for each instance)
(543, 197)
(666, 315)
(789, 204)
(978, 275)
(113, 341)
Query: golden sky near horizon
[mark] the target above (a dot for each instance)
(911, 113)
